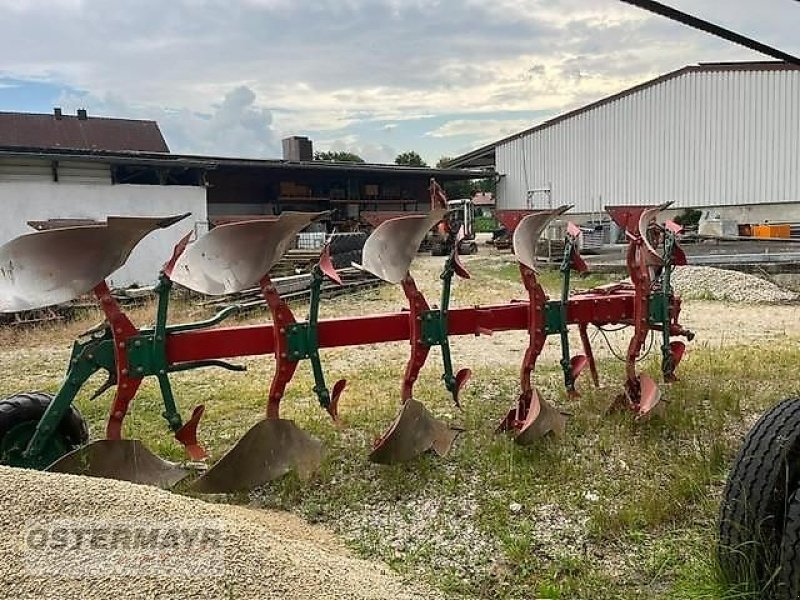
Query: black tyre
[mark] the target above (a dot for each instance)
(788, 578)
(19, 416)
(468, 248)
(764, 476)
(345, 259)
(346, 242)
(438, 249)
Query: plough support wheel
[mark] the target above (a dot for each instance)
(413, 432)
(126, 460)
(542, 418)
(269, 450)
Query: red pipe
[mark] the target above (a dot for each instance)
(254, 340)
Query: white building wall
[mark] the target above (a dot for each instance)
(704, 138)
(24, 201)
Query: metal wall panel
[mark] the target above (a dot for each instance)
(703, 138)
(73, 171)
(68, 171)
(22, 169)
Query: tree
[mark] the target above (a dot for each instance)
(456, 189)
(410, 159)
(488, 185)
(338, 156)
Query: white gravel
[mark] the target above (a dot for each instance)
(443, 528)
(256, 555)
(708, 283)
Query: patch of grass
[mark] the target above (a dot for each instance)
(550, 277)
(616, 509)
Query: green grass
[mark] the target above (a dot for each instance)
(550, 278)
(615, 510)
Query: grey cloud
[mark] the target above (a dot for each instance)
(370, 152)
(361, 59)
(235, 127)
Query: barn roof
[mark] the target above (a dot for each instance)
(68, 132)
(484, 156)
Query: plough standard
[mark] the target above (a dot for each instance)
(58, 265)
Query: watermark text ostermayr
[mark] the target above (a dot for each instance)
(96, 547)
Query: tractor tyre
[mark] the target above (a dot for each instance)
(788, 584)
(438, 249)
(341, 243)
(468, 248)
(764, 476)
(343, 260)
(19, 415)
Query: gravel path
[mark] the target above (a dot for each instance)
(245, 554)
(708, 283)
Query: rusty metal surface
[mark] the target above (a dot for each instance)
(414, 431)
(529, 230)
(376, 217)
(511, 217)
(269, 450)
(542, 418)
(235, 256)
(647, 218)
(391, 248)
(57, 265)
(69, 132)
(125, 460)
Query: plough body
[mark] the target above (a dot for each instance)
(224, 261)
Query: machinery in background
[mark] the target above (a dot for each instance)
(458, 226)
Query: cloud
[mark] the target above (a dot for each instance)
(236, 126)
(329, 65)
(480, 129)
(371, 152)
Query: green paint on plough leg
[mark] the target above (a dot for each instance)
(303, 339)
(434, 325)
(88, 356)
(566, 270)
(667, 361)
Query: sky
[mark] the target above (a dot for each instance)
(374, 77)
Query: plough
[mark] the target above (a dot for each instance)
(60, 264)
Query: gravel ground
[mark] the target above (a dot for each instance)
(244, 554)
(270, 555)
(441, 527)
(709, 283)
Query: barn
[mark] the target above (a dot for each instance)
(720, 137)
(58, 169)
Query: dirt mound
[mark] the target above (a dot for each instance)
(64, 536)
(708, 283)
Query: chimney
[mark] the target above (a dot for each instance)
(82, 114)
(297, 148)
(57, 113)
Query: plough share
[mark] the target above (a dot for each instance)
(48, 267)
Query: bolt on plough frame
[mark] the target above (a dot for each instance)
(61, 264)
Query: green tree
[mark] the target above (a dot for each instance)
(410, 159)
(489, 184)
(456, 189)
(338, 157)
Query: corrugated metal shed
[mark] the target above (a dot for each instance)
(24, 130)
(705, 135)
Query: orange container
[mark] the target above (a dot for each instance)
(771, 231)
